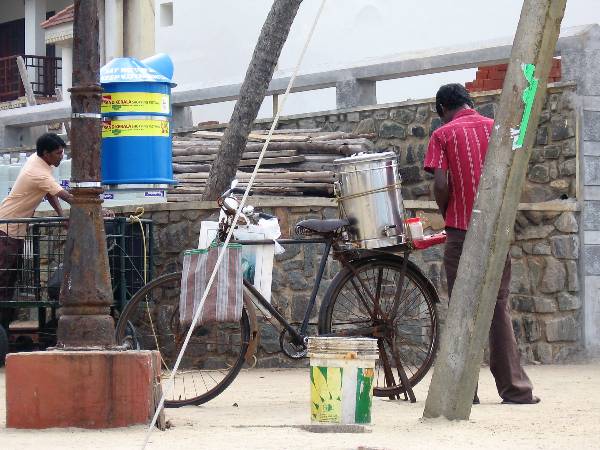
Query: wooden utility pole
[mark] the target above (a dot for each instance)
(491, 227)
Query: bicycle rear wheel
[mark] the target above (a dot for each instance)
(214, 356)
(409, 339)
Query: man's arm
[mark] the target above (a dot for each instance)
(53, 200)
(68, 197)
(440, 190)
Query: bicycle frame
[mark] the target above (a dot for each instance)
(297, 335)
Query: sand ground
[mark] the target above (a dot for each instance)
(263, 409)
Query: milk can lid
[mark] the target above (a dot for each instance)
(363, 157)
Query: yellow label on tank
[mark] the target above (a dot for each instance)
(128, 128)
(139, 102)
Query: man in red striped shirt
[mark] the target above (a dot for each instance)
(455, 156)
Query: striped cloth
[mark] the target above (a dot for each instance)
(459, 147)
(225, 298)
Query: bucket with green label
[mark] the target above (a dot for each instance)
(341, 379)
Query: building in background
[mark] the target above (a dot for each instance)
(211, 42)
(42, 32)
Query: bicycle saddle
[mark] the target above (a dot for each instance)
(320, 226)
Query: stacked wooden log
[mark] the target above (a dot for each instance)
(297, 162)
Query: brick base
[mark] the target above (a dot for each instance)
(95, 389)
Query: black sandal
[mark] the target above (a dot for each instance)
(534, 400)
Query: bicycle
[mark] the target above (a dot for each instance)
(378, 293)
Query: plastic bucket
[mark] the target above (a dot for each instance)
(341, 379)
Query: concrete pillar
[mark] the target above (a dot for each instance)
(138, 27)
(13, 136)
(352, 93)
(182, 117)
(113, 29)
(67, 70)
(580, 61)
(35, 43)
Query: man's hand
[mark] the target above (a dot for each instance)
(440, 190)
(65, 196)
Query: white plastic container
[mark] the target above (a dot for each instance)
(15, 169)
(341, 378)
(4, 175)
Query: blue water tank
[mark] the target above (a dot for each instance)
(136, 135)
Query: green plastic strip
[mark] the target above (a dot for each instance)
(528, 99)
(364, 395)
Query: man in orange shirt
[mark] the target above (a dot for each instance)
(34, 183)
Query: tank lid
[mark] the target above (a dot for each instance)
(362, 157)
(130, 70)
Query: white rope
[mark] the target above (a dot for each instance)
(170, 382)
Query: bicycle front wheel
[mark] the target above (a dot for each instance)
(361, 298)
(214, 356)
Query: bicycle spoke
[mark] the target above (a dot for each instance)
(214, 356)
(413, 330)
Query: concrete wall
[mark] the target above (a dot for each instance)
(580, 64)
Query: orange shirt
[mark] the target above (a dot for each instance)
(35, 180)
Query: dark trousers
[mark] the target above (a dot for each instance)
(505, 363)
(11, 251)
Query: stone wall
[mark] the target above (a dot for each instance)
(405, 129)
(544, 289)
(547, 314)
(545, 254)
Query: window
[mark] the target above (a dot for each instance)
(166, 14)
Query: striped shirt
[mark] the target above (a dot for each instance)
(460, 147)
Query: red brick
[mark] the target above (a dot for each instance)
(482, 74)
(497, 75)
(469, 85)
(95, 389)
(477, 84)
(500, 67)
(490, 85)
(555, 72)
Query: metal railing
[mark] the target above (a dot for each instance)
(32, 256)
(14, 123)
(45, 72)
